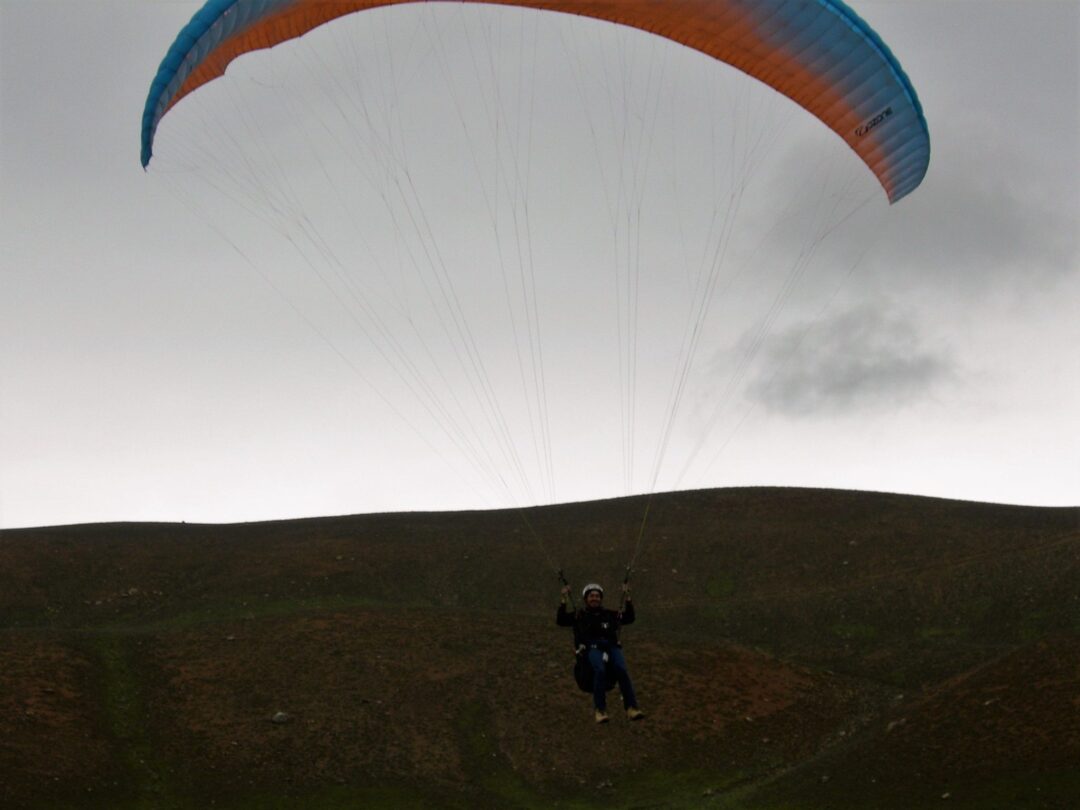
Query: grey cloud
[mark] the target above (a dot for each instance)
(987, 216)
(1001, 198)
(862, 361)
(981, 227)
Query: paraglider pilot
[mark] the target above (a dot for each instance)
(596, 635)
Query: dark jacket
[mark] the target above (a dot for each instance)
(595, 627)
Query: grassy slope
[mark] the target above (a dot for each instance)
(796, 649)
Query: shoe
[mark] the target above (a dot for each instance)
(601, 717)
(634, 713)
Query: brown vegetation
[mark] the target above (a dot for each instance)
(795, 648)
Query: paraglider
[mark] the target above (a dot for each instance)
(818, 54)
(600, 663)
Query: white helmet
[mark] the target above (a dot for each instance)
(592, 586)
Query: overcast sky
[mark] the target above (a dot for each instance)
(170, 351)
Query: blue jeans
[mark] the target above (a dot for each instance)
(618, 665)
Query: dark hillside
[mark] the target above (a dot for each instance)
(1011, 709)
(796, 648)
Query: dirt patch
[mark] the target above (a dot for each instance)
(1005, 734)
(52, 735)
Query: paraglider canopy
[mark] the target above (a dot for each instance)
(416, 185)
(819, 53)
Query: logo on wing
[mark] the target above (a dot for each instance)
(864, 129)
